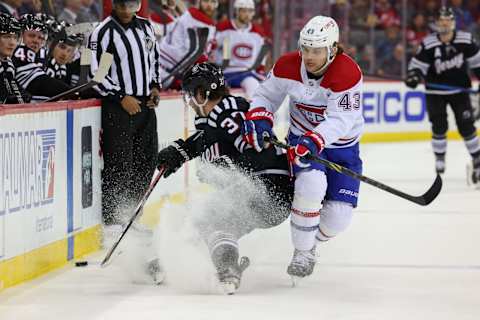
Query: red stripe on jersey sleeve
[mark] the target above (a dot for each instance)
(342, 74)
(225, 25)
(200, 16)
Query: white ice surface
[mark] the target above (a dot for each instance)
(396, 261)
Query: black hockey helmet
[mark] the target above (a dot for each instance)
(61, 36)
(9, 25)
(446, 12)
(33, 22)
(206, 77)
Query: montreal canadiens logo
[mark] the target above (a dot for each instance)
(313, 114)
(243, 51)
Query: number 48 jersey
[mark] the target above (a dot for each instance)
(218, 140)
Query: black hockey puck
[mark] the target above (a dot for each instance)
(81, 263)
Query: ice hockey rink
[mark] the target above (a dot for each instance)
(396, 261)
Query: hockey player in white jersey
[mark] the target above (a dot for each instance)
(242, 41)
(325, 87)
(175, 46)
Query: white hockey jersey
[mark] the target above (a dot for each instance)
(330, 106)
(244, 45)
(176, 44)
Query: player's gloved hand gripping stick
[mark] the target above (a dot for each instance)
(422, 200)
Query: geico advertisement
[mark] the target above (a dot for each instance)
(32, 181)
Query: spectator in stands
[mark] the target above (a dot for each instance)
(11, 7)
(365, 58)
(89, 12)
(431, 12)
(71, 11)
(416, 32)
(386, 45)
(463, 18)
(361, 20)
(386, 14)
(392, 66)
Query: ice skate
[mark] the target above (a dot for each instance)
(230, 276)
(155, 271)
(440, 163)
(473, 173)
(302, 265)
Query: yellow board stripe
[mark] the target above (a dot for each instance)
(47, 258)
(404, 136)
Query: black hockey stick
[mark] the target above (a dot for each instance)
(422, 200)
(137, 212)
(257, 63)
(103, 66)
(200, 36)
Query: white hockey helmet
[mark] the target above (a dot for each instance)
(248, 4)
(319, 32)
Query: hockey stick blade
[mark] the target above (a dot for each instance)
(422, 200)
(138, 209)
(104, 65)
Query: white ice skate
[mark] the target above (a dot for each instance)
(473, 176)
(302, 265)
(155, 271)
(440, 164)
(229, 278)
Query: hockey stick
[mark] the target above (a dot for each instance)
(200, 36)
(137, 212)
(226, 53)
(85, 61)
(103, 66)
(257, 63)
(422, 200)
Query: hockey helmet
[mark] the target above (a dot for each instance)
(446, 13)
(61, 35)
(9, 25)
(248, 4)
(130, 5)
(320, 32)
(205, 77)
(32, 22)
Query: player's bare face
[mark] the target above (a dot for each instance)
(34, 39)
(63, 53)
(208, 7)
(245, 15)
(314, 58)
(125, 11)
(8, 43)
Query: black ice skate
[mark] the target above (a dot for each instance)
(230, 276)
(302, 264)
(440, 163)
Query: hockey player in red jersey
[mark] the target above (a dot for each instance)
(325, 87)
(242, 42)
(175, 46)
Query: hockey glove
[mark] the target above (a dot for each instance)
(172, 157)
(413, 79)
(309, 143)
(257, 125)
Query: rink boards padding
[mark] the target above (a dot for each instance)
(50, 213)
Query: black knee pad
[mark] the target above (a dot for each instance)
(465, 124)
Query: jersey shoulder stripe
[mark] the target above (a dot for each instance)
(288, 66)
(342, 74)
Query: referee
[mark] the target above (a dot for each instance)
(130, 92)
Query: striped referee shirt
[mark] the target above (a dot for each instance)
(135, 68)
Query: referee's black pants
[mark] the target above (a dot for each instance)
(130, 147)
